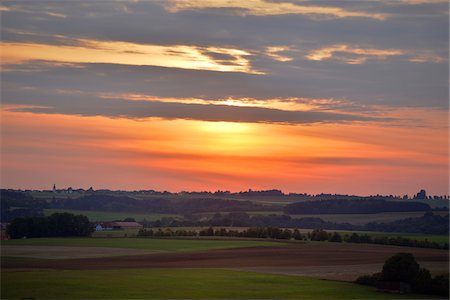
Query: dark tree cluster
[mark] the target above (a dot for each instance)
(353, 206)
(403, 268)
(56, 225)
(428, 223)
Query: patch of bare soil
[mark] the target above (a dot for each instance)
(312, 255)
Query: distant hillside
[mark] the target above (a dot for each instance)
(428, 223)
(17, 204)
(179, 206)
(353, 206)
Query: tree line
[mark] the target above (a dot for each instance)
(295, 234)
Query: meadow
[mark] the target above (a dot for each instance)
(179, 284)
(361, 219)
(142, 243)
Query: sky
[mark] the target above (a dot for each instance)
(346, 97)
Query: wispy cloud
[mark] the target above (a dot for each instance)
(83, 105)
(274, 53)
(357, 55)
(288, 104)
(118, 52)
(427, 56)
(414, 2)
(269, 8)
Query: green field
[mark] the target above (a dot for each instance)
(111, 216)
(115, 233)
(142, 243)
(178, 284)
(361, 219)
(355, 219)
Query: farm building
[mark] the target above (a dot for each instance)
(117, 226)
(104, 226)
(126, 225)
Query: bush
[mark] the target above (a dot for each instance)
(401, 267)
(335, 238)
(319, 235)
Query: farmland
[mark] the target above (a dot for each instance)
(178, 284)
(196, 268)
(222, 254)
(361, 219)
(178, 256)
(140, 243)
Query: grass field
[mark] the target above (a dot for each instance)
(361, 219)
(111, 216)
(178, 284)
(142, 243)
(115, 233)
(355, 219)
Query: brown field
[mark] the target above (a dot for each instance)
(322, 260)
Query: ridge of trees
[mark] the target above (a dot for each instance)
(158, 205)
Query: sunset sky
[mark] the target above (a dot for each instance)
(303, 96)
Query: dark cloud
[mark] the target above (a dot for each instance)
(394, 81)
(117, 108)
(395, 84)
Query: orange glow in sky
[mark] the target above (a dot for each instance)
(174, 154)
(302, 96)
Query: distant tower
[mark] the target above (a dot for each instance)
(54, 188)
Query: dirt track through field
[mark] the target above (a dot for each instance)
(298, 256)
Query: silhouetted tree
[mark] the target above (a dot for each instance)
(401, 267)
